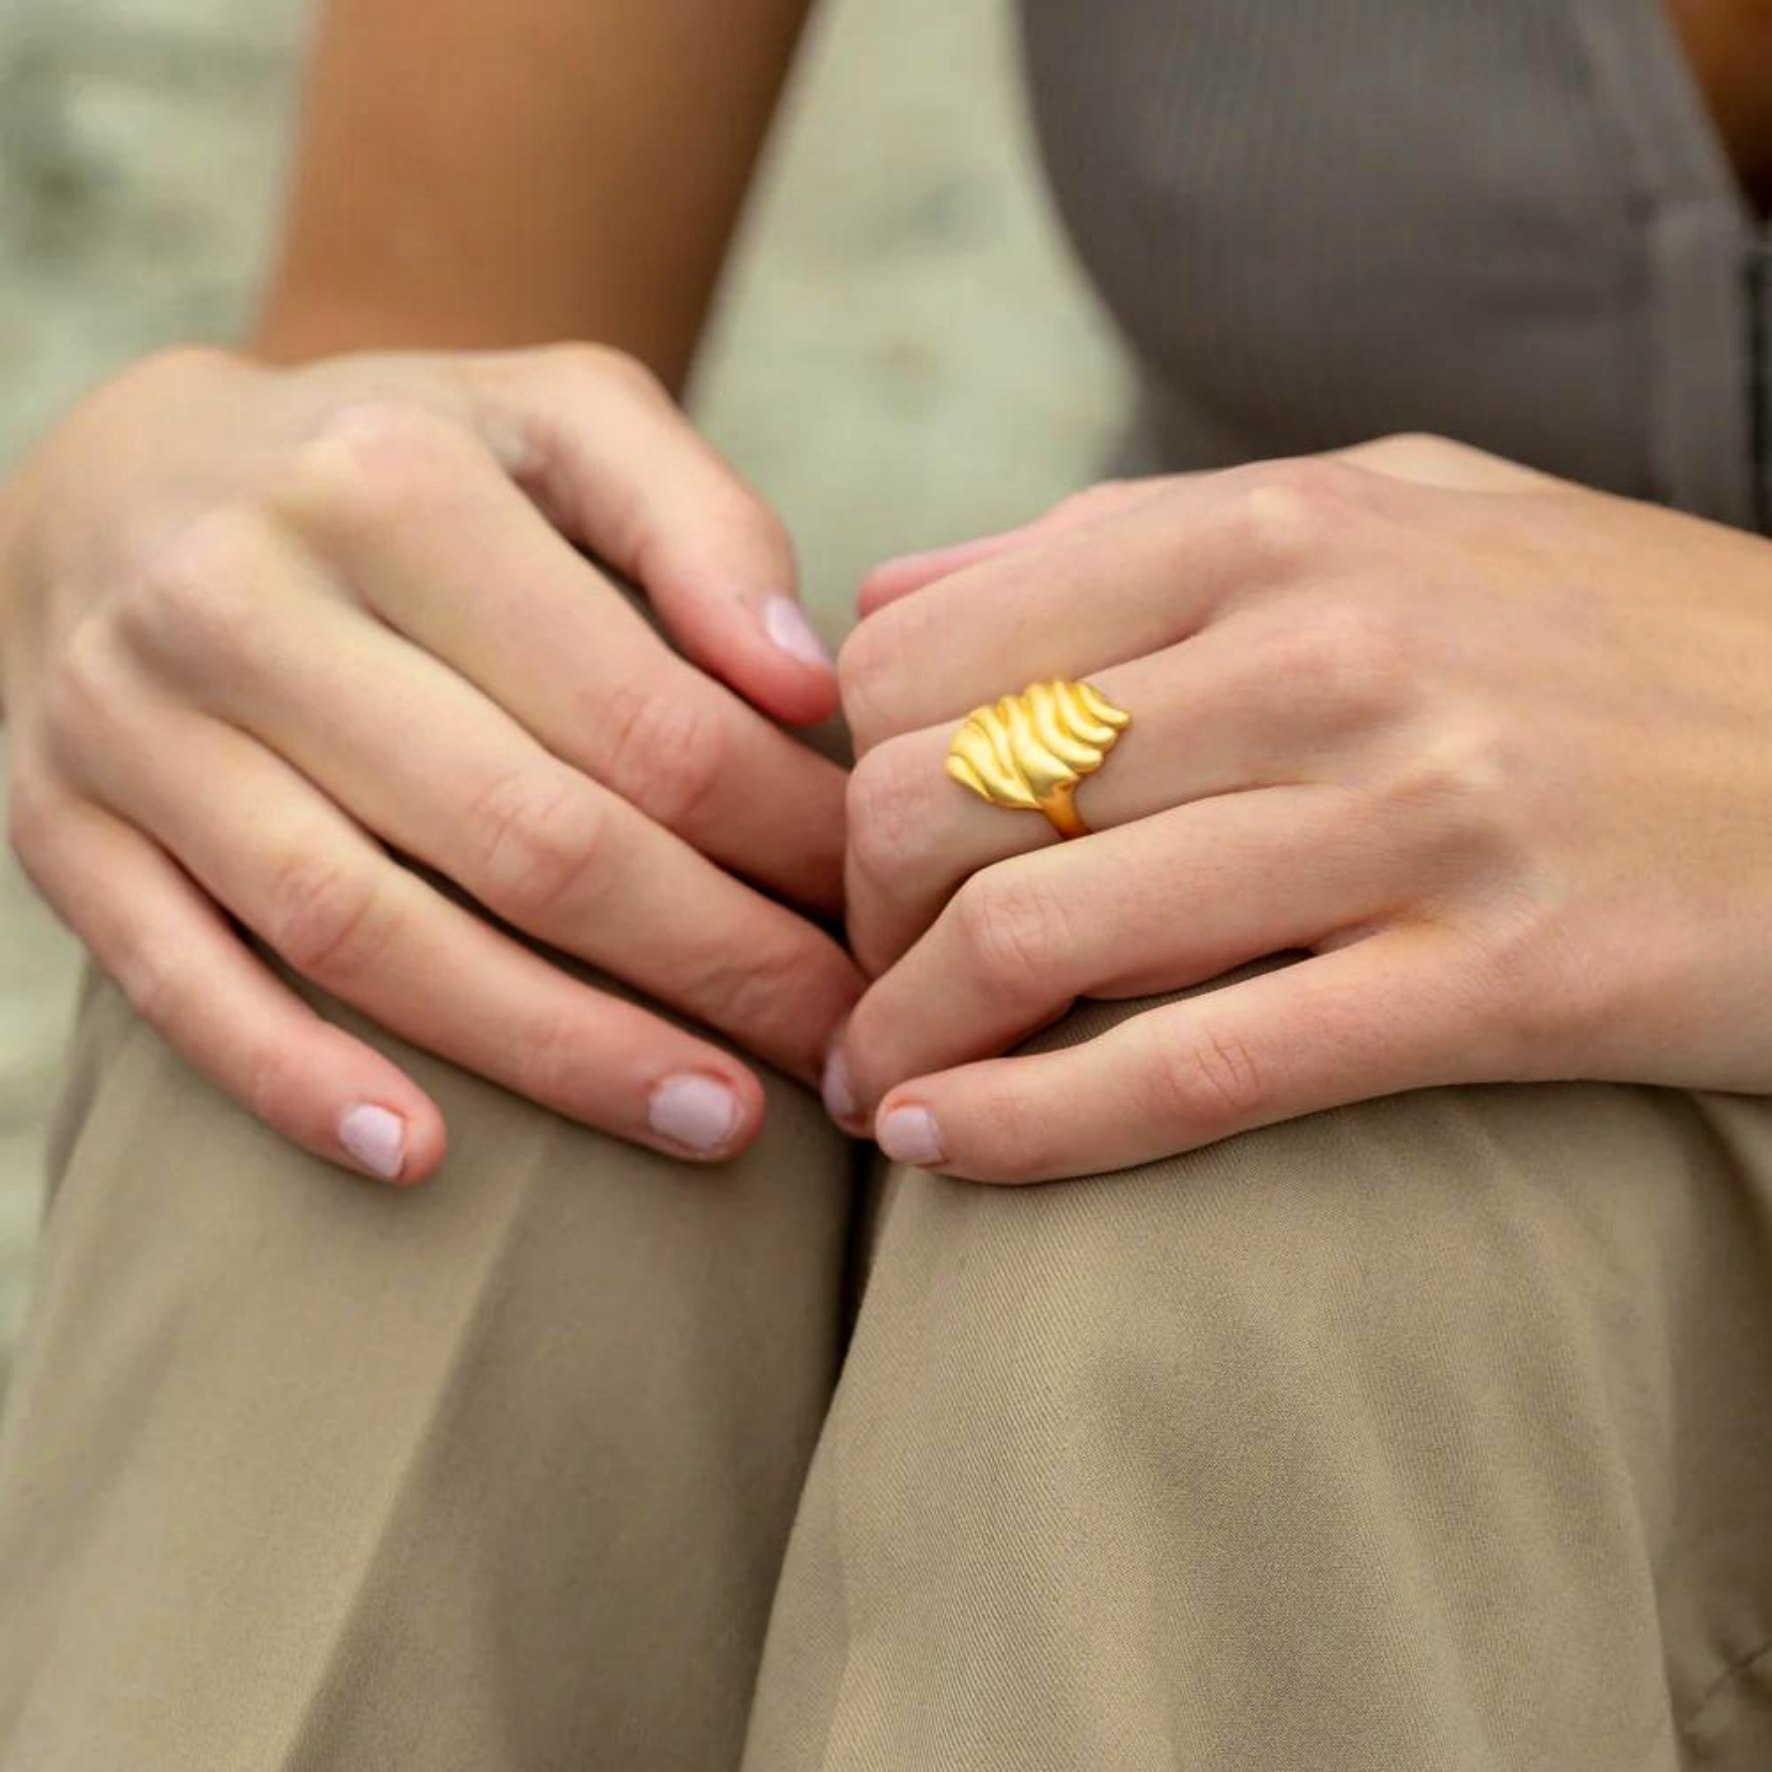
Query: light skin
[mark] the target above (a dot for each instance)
(262, 626)
(494, 173)
(1486, 750)
(342, 617)
(269, 633)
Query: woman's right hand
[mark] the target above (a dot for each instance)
(260, 627)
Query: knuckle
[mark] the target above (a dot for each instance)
(1538, 993)
(1425, 450)
(1354, 656)
(329, 921)
(273, 1082)
(548, 1064)
(82, 685)
(87, 706)
(152, 982)
(1208, 1080)
(888, 815)
(662, 748)
(1429, 460)
(731, 522)
(1460, 770)
(608, 365)
(765, 991)
(1012, 927)
(750, 517)
(190, 594)
(537, 839)
(1294, 510)
(1015, 1134)
(858, 673)
(372, 462)
(872, 664)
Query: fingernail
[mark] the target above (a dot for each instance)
(909, 1135)
(699, 1113)
(376, 1138)
(839, 1091)
(784, 621)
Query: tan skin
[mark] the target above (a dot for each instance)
(493, 201)
(1729, 44)
(563, 169)
(232, 593)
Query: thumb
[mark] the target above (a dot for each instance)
(594, 438)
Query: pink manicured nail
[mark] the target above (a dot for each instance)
(699, 1113)
(376, 1138)
(784, 621)
(839, 1091)
(909, 1135)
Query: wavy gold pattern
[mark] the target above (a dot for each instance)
(1031, 750)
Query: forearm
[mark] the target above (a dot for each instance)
(504, 172)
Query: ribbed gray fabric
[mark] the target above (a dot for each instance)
(1509, 221)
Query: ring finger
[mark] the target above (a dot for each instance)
(1249, 702)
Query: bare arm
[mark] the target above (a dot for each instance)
(505, 172)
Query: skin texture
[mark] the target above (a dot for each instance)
(268, 622)
(1728, 44)
(230, 598)
(1488, 748)
(473, 173)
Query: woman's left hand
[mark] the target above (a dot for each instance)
(1493, 750)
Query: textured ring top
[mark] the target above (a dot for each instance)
(1029, 751)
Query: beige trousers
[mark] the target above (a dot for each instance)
(1434, 1433)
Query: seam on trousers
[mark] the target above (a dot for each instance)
(1723, 1685)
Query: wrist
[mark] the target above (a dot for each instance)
(304, 318)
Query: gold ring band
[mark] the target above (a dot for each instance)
(1030, 751)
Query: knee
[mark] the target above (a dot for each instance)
(1440, 1247)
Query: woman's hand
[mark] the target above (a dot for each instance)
(261, 624)
(1495, 752)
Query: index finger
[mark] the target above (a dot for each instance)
(444, 548)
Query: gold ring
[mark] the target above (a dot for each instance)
(1031, 750)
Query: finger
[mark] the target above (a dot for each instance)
(1151, 907)
(450, 553)
(1374, 1018)
(1421, 459)
(533, 839)
(597, 440)
(1109, 591)
(905, 574)
(1258, 699)
(899, 577)
(193, 981)
(292, 868)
